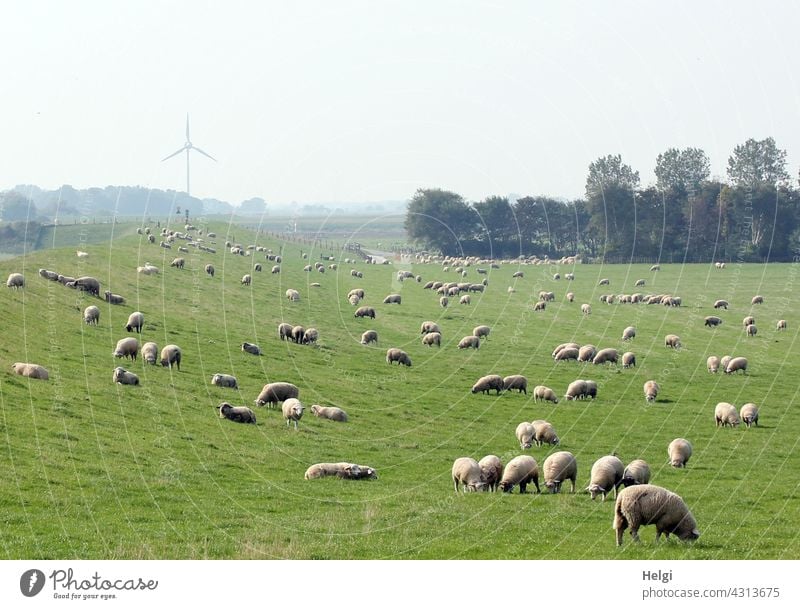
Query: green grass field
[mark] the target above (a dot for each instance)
(93, 470)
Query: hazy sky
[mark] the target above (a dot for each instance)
(364, 101)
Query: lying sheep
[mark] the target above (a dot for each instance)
(541, 392)
(224, 380)
(607, 473)
(171, 356)
(486, 383)
(251, 348)
(712, 321)
(468, 474)
(679, 451)
(492, 469)
(123, 377)
(721, 304)
(651, 390)
(606, 356)
(628, 359)
(481, 331)
(147, 269)
(365, 312)
(655, 267)
(392, 299)
(369, 336)
(781, 325)
(135, 322)
(91, 315)
(50, 275)
(81, 254)
(332, 413)
(292, 411)
(725, 414)
(751, 330)
(469, 342)
(673, 341)
(345, 471)
(636, 472)
(114, 299)
(559, 467)
(712, 363)
(736, 364)
(645, 504)
(399, 356)
(521, 470)
(544, 433)
(629, 333)
(429, 326)
(285, 331)
(311, 336)
(525, 433)
(273, 393)
(757, 300)
(749, 414)
(210, 269)
(32, 371)
(434, 338)
(149, 352)
(127, 347)
(516, 381)
(15, 281)
(587, 353)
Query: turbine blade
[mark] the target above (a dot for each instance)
(187, 127)
(176, 153)
(204, 153)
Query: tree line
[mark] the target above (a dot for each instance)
(685, 217)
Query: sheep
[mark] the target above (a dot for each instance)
(292, 411)
(272, 393)
(607, 473)
(353, 299)
(540, 306)
(570, 297)
(399, 356)
(712, 363)
(126, 347)
(275, 269)
(64, 280)
(712, 321)
(434, 338)
(486, 383)
(468, 473)
(628, 333)
(604, 281)
(749, 320)
(238, 414)
(369, 336)
(725, 414)
(151, 238)
(32, 371)
(569, 276)
(149, 352)
(135, 322)
(464, 300)
(757, 300)
(679, 451)
(257, 267)
(518, 275)
(251, 348)
(443, 302)
(651, 390)
(392, 299)
(210, 269)
(559, 467)
(541, 392)
(298, 333)
(645, 504)
(123, 377)
(576, 390)
(586, 309)
(636, 472)
(365, 312)
(492, 469)
(544, 433)
(639, 283)
(481, 331)
(749, 414)
(247, 279)
(114, 299)
(469, 342)
(525, 432)
(178, 263)
(81, 254)
(723, 363)
(311, 336)
(88, 284)
(50, 275)
(721, 304)
(781, 325)
(521, 470)
(511, 290)
(516, 381)
(563, 346)
(332, 413)
(751, 330)
(91, 315)
(356, 292)
(224, 380)
(606, 356)
(568, 353)
(292, 295)
(737, 363)
(590, 389)
(628, 359)
(171, 355)
(345, 471)
(655, 267)
(672, 341)
(285, 331)
(587, 353)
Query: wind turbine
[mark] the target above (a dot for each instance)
(188, 146)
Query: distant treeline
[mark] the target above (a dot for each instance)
(684, 217)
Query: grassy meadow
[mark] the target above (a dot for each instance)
(94, 470)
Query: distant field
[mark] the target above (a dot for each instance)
(94, 470)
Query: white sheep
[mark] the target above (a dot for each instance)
(127, 347)
(673, 341)
(721, 304)
(651, 390)
(604, 356)
(486, 383)
(736, 364)
(679, 451)
(521, 470)
(781, 325)
(15, 281)
(332, 413)
(443, 302)
(544, 433)
(346, 471)
(713, 364)
(516, 381)
(645, 504)
(757, 300)
(149, 352)
(429, 326)
(91, 315)
(464, 300)
(224, 380)
(468, 474)
(392, 299)
(723, 363)
(369, 336)
(525, 433)
(628, 333)
(559, 467)
(33, 371)
(725, 414)
(636, 472)
(434, 338)
(292, 411)
(292, 295)
(607, 473)
(564, 346)
(171, 356)
(541, 392)
(586, 309)
(399, 356)
(135, 322)
(749, 414)
(492, 468)
(123, 377)
(751, 330)
(272, 393)
(469, 342)
(566, 354)
(628, 359)
(586, 353)
(481, 331)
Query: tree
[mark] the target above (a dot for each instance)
(610, 171)
(685, 169)
(757, 162)
(497, 226)
(15, 207)
(611, 201)
(441, 220)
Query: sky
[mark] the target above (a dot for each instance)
(351, 101)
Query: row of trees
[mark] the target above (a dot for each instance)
(685, 216)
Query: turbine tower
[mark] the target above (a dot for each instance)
(188, 146)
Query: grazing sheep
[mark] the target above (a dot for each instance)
(781, 325)
(651, 390)
(559, 467)
(748, 320)
(251, 348)
(311, 336)
(149, 352)
(604, 281)
(345, 471)
(655, 267)
(606, 356)
(544, 433)
(563, 346)
(636, 472)
(723, 363)
(178, 263)
(525, 433)
(576, 390)
(224, 380)
(399, 356)
(272, 393)
(570, 297)
(712, 321)
(257, 267)
(135, 322)
(521, 470)
(486, 383)
(151, 238)
(628, 359)
(586, 309)
(518, 274)
(50, 275)
(292, 411)
(492, 469)
(516, 381)
(673, 341)
(171, 355)
(127, 347)
(64, 280)
(469, 342)
(725, 414)
(540, 392)
(298, 333)
(587, 353)
(275, 269)
(591, 389)
(569, 276)
(468, 473)
(639, 283)
(32, 371)
(392, 299)
(757, 300)
(607, 473)
(88, 284)
(123, 377)
(210, 269)
(429, 326)
(365, 312)
(91, 315)
(82, 254)
(332, 413)
(464, 300)
(434, 338)
(481, 331)
(737, 363)
(247, 279)
(629, 333)
(749, 414)
(721, 304)
(713, 364)
(370, 336)
(443, 302)
(679, 451)
(285, 331)
(353, 299)
(567, 353)
(750, 330)
(292, 295)
(540, 306)
(114, 299)
(645, 504)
